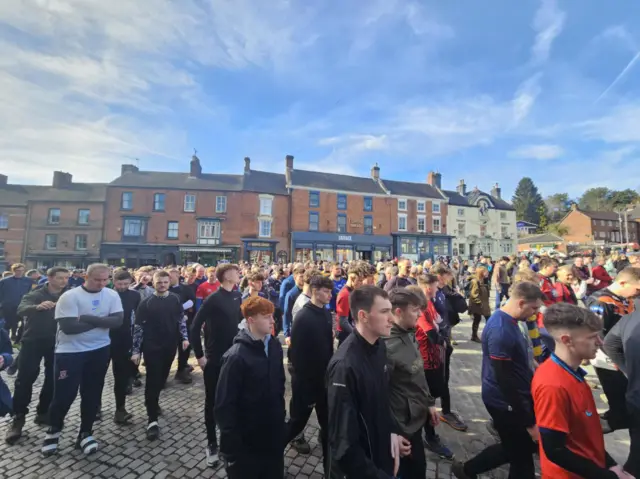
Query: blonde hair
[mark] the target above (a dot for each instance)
(480, 270)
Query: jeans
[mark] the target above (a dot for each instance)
(85, 370)
(211, 374)
(158, 363)
(31, 355)
(501, 292)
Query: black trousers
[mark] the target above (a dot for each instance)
(516, 448)
(183, 355)
(85, 370)
(253, 466)
(211, 374)
(414, 466)
(31, 355)
(305, 397)
(632, 466)
(158, 363)
(123, 371)
(11, 321)
(614, 385)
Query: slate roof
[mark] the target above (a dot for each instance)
(405, 188)
(456, 199)
(541, 238)
(19, 195)
(332, 181)
(266, 182)
(600, 215)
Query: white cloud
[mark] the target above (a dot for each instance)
(548, 24)
(537, 152)
(621, 34)
(622, 125)
(356, 143)
(525, 98)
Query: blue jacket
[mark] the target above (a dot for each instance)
(6, 351)
(338, 284)
(289, 301)
(285, 287)
(12, 290)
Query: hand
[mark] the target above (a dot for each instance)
(135, 359)
(185, 345)
(395, 453)
(589, 281)
(621, 473)
(46, 305)
(405, 446)
(287, 341)
(534, 433)
(202, 362)
(434, 419)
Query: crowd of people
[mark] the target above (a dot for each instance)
(367, 347)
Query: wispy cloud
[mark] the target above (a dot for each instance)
(620, 76)
(537, 152)
(548, 24)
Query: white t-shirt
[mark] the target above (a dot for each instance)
(77, 302)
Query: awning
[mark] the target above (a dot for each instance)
(206, 250)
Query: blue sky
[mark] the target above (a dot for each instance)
(486, 91)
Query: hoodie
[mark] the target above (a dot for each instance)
(40, 326)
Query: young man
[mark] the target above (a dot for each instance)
(338, 283)
(361, 440)
(309, 354)
(256, 282)
(12, 289)
(344, 318)
(402, 278)
(188, 300)
(290, 299)
(305, 297)
(122, 344)
(249, 403)
(411, 404)
(38, 343)
(546, 271)
(220, 314)
(501, 281)
(76, 278)
(506, 389)
(84, 315)
(160, 324)
(571, 440)
(207, 288)
(6, 358)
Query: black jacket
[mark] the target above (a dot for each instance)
(311, 344)
(622, 344)
(249, 407)
(122, 337)
(360, 423)
(40, 325)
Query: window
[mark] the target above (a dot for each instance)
(314, 199)
(4, 221)
(460, 211)
(610, 223)
(507, 248)
(402, 204)
(461, 229)
(602, 223)
(402, 222)
(172, 229)
(314, 221)
(83, 217)
(603, 234)
(158, 202)
(221, 204)
(265, 228)
(422, 206)
(266, 206)
(422, 227)
(368, 203)
(504, 231)
(342, 201)
(81, 242)
(342, 223)
(408, 246)
(483, 230)
(50, 241)
(54, 216)
(126, 203)
(134, 227)
(368, 225)
(189, 202)
(208, 232)
(436, 225)
(435, 208)
(503, 215)
(461, 249)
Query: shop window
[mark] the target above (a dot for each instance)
(343, 254)
(342, 201)
(314, 199)
(368, 225)
(342, 223)
(408, 246)
(158, 202)
(303, 254)
(368, 203)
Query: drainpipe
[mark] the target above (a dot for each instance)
(289, 225)
(26, 235)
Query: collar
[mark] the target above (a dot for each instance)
(368, 347)
(579, 374)
(161, 295)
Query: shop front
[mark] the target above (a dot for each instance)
(338, 248)
(418, 248)
(137, 255)
(49, 259)
(258, 251)
(209, 255)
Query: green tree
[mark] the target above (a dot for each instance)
(527, 201)
(558, 229)
(557, 206)
(544, 217)
(620, 199)
(596, 199)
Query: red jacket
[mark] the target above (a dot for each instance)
(601, 279)
(431, 352)
(548, 290)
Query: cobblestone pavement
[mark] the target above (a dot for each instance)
(125, 453)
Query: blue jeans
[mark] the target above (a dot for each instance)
(502, 291)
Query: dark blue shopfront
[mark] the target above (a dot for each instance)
(339, 247)
(419, 247)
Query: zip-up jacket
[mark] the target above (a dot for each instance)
(311, 343)
(40, 325)
(12, 290)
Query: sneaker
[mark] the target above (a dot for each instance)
(87, 443)
(455, 421)
(190, 368)
(50, 444)
(13, 369)
(301, 445)
(184, 377)
(435, 445)
(14, 433)
(137, 383)
(153, 431)
(122, 417)
(41, 419)
(476, 339)
(458, 471)
(213, 460)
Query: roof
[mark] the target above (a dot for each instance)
(541, 238)
(266, 182)
(405, 188)
(600, 215)
(20, 195)
(456, 199)
(332, 181)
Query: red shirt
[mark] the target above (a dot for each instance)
(550, 294)
(206, 289)
(564, 402)
(342, 305)
(432, 354)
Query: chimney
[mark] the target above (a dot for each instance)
(61, 179)
(496, 191)
(434, 179)
(461, 188)
(375, 172)
(574, 206)
(247, 165)
(289, 162)
(124, 169)
(195, 169)
(3, 180)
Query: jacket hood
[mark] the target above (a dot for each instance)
(397, 331)
(245, 337)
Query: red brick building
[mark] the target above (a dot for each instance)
(599, 227)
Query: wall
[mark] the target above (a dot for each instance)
(579, 226)
(13, 237)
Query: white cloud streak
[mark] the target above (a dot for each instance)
(537, 152)
(548, 24)
(620, 76)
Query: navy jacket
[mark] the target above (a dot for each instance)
(6, 351)
(12, 290)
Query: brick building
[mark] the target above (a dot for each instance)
(173, 218)
(598, 227)
(14, 201)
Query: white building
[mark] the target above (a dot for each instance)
(481, 223)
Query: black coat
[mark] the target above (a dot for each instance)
(311, 344)
(249, 407)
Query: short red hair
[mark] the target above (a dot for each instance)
(256, 305)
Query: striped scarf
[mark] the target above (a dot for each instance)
(534, 335)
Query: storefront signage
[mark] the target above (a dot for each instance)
(355, 224)
(259, 245)
(344, 238)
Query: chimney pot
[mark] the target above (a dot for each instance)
(461, 188)
(496, 192)
(247, 165)
(195, 169)
(289, 162)
(434, 179)
(375, 172)
(124, 169)
(62, 179)
(4, 179)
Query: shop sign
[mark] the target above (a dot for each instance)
(344, 238)
(355, 223)
(259, 245)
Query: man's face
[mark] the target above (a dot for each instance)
(161, 284)
(200, 272)
(97, 280)
(323, 295)
(299, 279)
(579, 262)
(629, 289)
(528, 309)
(370, 280)
(565, 277)
(175, 277)
(634, 260)
(59, 280)
(256, 285)
(430, 290)
(18, 272)
(232, 276)
(380, 319)
(583, 342)
(337, 272)
(211, 278)
(551, 270)
(408, 317)
(122, 285)
(261, 324)
(444, 279)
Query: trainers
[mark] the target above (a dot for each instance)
(41, 419)
(458, 470)
(455, 421)
(153, 431)
(435, 445)
(14, 433)
(122, 417)
(213, 458)
(50, 444)
(301, 445)
(137, 383)
(184, 377)
(87, 443)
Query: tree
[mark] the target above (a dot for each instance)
(620, 199)
(558, 205)
(596, 199)
(544, 217)
(558, 229)
(527, 201)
